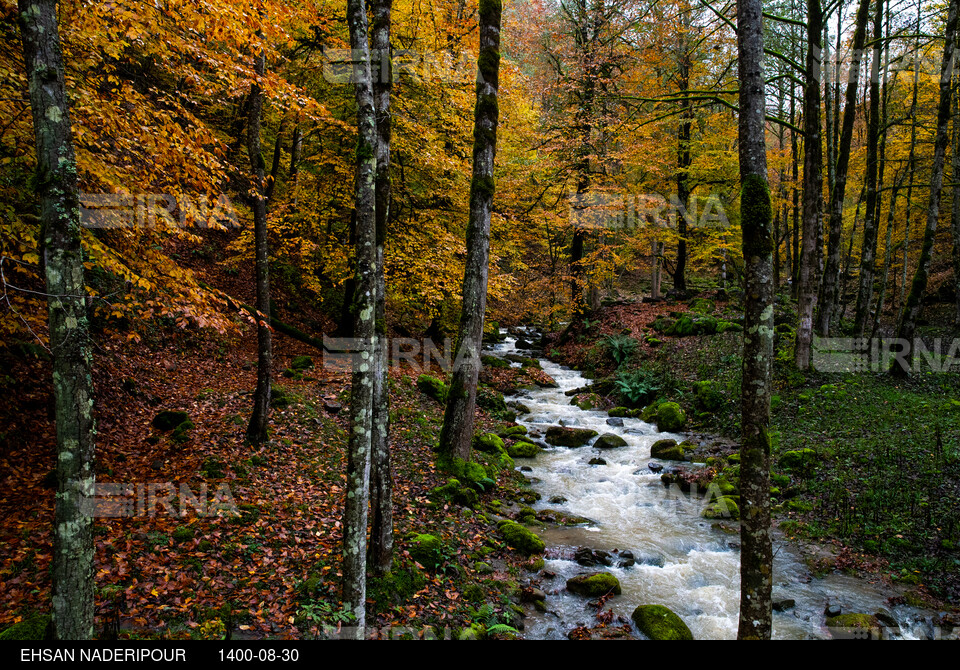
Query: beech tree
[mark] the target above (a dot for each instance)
(58, 192)
(257, 429)
(756, 554)
(364, 327)
(458, 420)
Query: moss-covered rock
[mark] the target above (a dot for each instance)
(433, 387)
(426, 549)
(521, 539)
(799, 460)
(488, 443)
(523, 450)
(708, 396)
(623, 412)
(301, 363)
(492, 401)
(36, 627)
(587, 401)
(609, 441)
(724, 508)
(560, 436)
(670, 418)
(667, 450)
(660, 623)
(512, 431)
(169, 419)
(594, 584)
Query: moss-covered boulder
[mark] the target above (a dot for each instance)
(799, 460)
(301, 363)
(523, 450)
(623, 412)
(660, 623)
(560, 436)
(426, 549)
(521, 539)
(433, 387)
(609, 441)
(724, 508)
(670, 418)
(36, 627)
(728, 326)
(488, 443)
(708, 396)
(169, 419)
(512, 431)
(594, 584)
(667, 450)
(702, 305)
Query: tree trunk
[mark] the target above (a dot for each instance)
(58, 192)
(257, 430)
(364, 329)
(381, 475)
(812, 188)
(756, 554)
(831, 274)
(871, 223)
(458, 421)
(955, 214)
(911, 310)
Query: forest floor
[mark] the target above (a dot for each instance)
(878, 496)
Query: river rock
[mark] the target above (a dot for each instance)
(655, 467)
(784, 605)
(626, 559)
(569, 437)
(616, 422)
(597, 461)
(609, 441)
(832, 611)
(594, 584)
(659, 623)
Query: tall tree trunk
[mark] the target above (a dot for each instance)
(257, 429)
(684, 159)
(458, 420)
(812, 187)
(911, 310)
(871, 221)
(911, 167)
(756, 554)
(831, 274)
(955, 214)
(364, 328)
(295, 146)
(381, 475)
(59, 196)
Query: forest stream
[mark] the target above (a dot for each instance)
(683, 561)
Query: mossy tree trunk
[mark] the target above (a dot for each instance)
(756, 554)
(381, 482)
(458, 420)
(955, 214)
(364, 328)
(826, 307)
(911, 311)
(812, 187)
(257, 429)
(58, 192)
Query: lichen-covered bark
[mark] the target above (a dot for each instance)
(831, 275)
(911, 311)
(381, 484)
(364, 329)
(257, 429)
(812, 188)
(955, 214)
(58, 192)
(756, 553)
(458, 420)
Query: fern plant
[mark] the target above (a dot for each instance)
(637, 387)
(620, 347)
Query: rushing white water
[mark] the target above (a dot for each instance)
(683, 560)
